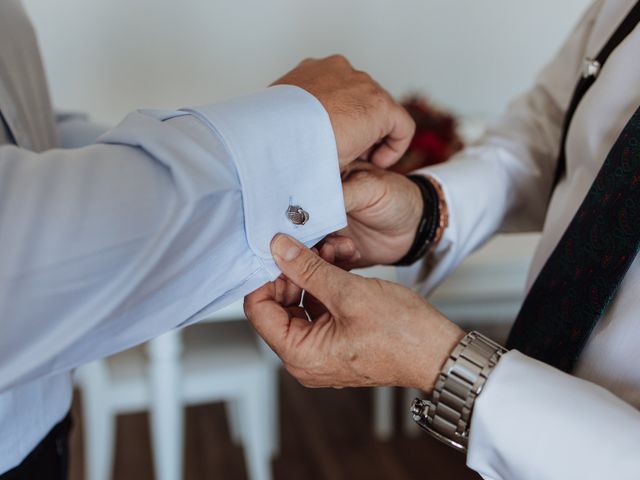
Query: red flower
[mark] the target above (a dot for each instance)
(427, 142)
(435, 140)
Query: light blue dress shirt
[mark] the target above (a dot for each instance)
(163, 220)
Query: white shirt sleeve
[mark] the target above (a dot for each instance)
(534, 422)
(166, 218)
(503, 182)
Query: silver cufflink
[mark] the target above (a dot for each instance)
(297, 215)
(590, 67)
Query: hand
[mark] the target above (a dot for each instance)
(362, 332)
(383, 212)
(366, 121)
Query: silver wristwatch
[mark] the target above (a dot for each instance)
(447, 414)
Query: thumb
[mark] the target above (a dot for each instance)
(308, 271)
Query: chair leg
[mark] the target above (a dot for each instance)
(383, 412)
(256, 448)
(166, 412)
(272, 410)
(272, 396)
(234, 420)
(99, 421)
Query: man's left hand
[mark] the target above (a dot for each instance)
(383, 212)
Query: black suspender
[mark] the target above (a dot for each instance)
(589, 77)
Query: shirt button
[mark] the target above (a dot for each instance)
(297, 215)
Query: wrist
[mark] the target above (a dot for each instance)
(414, 214)
(430, 223)
(446, 414)
(444, 343)
(433, 347)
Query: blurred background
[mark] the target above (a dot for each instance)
(211, 402)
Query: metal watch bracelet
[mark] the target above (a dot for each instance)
(447, 414)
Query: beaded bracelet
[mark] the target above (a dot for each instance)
(432, 223)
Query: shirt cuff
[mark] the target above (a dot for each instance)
(532, 421)
(429, 272)
(284, 149)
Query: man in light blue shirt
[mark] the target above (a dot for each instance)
(156, 223)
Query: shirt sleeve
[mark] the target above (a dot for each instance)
(503, 182)
(163, 220)
(534, 422)
(76, 130)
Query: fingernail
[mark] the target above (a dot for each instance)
(285, 247)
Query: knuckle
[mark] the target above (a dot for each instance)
(372, 89)
(376, 95)
(362, 76)
(338, 59)
(383, 97)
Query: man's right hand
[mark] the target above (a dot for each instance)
(366, 121)
(351, 331)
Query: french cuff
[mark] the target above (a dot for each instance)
(532, 421)
(284, 149)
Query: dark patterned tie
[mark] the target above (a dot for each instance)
(583, 273)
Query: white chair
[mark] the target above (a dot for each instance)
(217, 361)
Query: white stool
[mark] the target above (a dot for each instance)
(219, 361)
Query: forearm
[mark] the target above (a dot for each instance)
(109, 245)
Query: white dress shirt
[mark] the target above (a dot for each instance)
(156, 224)
(533, 421)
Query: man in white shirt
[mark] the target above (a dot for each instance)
(520, 418)
(157, 222)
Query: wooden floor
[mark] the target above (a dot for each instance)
(326, 435)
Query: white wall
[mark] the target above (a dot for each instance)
(108, 57)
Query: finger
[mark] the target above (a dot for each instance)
(310, 272)
(345, 261)
(298, 312)
(397, 140)
(313, 306)
(366, 155)
(291, 295)
(270, 319)
(343, 249)
(286, 293)
(355, 166)
(328, 252)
